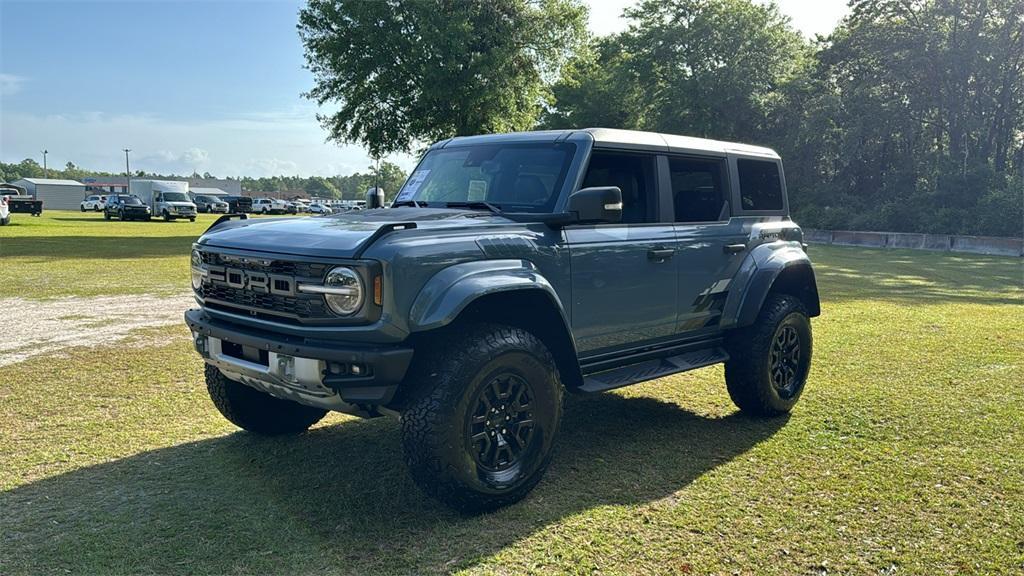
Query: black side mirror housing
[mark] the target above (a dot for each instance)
(601, 204)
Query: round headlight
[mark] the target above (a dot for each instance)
(345, 291)
(197, 272)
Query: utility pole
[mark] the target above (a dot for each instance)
(127, 172)
(46, 172)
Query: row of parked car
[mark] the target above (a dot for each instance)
(113, 205)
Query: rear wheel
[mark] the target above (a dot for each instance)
(479, 431)
(770, 360)
(106, 215)
(121, 215)
(83, 207)
(252, 410)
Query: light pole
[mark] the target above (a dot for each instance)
(127, 172)
(46, 173)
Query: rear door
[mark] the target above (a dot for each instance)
(624, 279)
(710, 242)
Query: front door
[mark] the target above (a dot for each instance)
(624, 279)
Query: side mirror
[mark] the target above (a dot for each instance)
(598, 204)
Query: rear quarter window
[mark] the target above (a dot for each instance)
(760, 185)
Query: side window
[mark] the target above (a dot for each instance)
(697, 189)
(760, 185)
(634, 175)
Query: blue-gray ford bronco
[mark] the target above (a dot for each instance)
(509, 269)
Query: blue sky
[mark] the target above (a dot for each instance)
(189, 85)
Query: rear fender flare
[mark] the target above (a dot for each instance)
(757, 276)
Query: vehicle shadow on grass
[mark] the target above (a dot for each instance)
(338, 498)
(105, 247)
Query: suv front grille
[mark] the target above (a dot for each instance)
(260, 301)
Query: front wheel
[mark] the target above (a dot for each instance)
(770, 360)
(96, 208)
(106, 215)
(479, 431)
(121, 216)
(167, 217)
(252, 410)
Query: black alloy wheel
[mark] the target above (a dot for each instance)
(501, 424)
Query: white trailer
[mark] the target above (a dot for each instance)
(166, 198)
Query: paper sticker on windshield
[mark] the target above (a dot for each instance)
(477, 191)
(412, 185)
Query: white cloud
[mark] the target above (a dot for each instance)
(255, 144)
(11, 84)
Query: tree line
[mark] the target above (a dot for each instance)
(909, 116)
(388, 176)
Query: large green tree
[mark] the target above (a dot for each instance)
(405, 72)
(711, 68)
(918, 119)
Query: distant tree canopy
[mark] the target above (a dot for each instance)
(353, 186)
(908, 117)
(407, 72)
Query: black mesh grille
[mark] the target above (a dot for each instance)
(298, 306)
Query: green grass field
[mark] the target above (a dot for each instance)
(905, 455)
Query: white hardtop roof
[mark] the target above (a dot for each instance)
(53, 181)
(675, 143)
(615, 138)
(207, 191)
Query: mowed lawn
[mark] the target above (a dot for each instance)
(905, 455)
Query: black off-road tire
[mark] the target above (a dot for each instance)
(255, 411)
(748, 373)
(454, 381)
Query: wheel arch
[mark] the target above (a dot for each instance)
(510, 292)
(783, 271)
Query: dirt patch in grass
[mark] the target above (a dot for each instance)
(35, 327)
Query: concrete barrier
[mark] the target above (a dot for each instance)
(989, 245)
(852, 238)
(912, 241)
(818, 236)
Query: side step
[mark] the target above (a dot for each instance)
(651, 369)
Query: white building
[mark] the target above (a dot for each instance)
(55, 194)
(197, 191)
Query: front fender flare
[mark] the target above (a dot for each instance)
(756, 277)
(449, 291)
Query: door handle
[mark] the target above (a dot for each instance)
(735, 248)
(660, 254)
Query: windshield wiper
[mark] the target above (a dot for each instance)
(412, 203)
(475, 206)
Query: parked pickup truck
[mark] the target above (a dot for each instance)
(511, 268)
(19, 203)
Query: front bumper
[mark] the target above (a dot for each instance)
(346, 377)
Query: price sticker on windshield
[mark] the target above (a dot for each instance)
(412, 185)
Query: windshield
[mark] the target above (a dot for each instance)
(132, 200)
(175, 197)
(511, 177)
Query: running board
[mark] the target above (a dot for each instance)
(651, 369)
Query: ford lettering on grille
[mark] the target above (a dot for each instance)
(259, 282)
